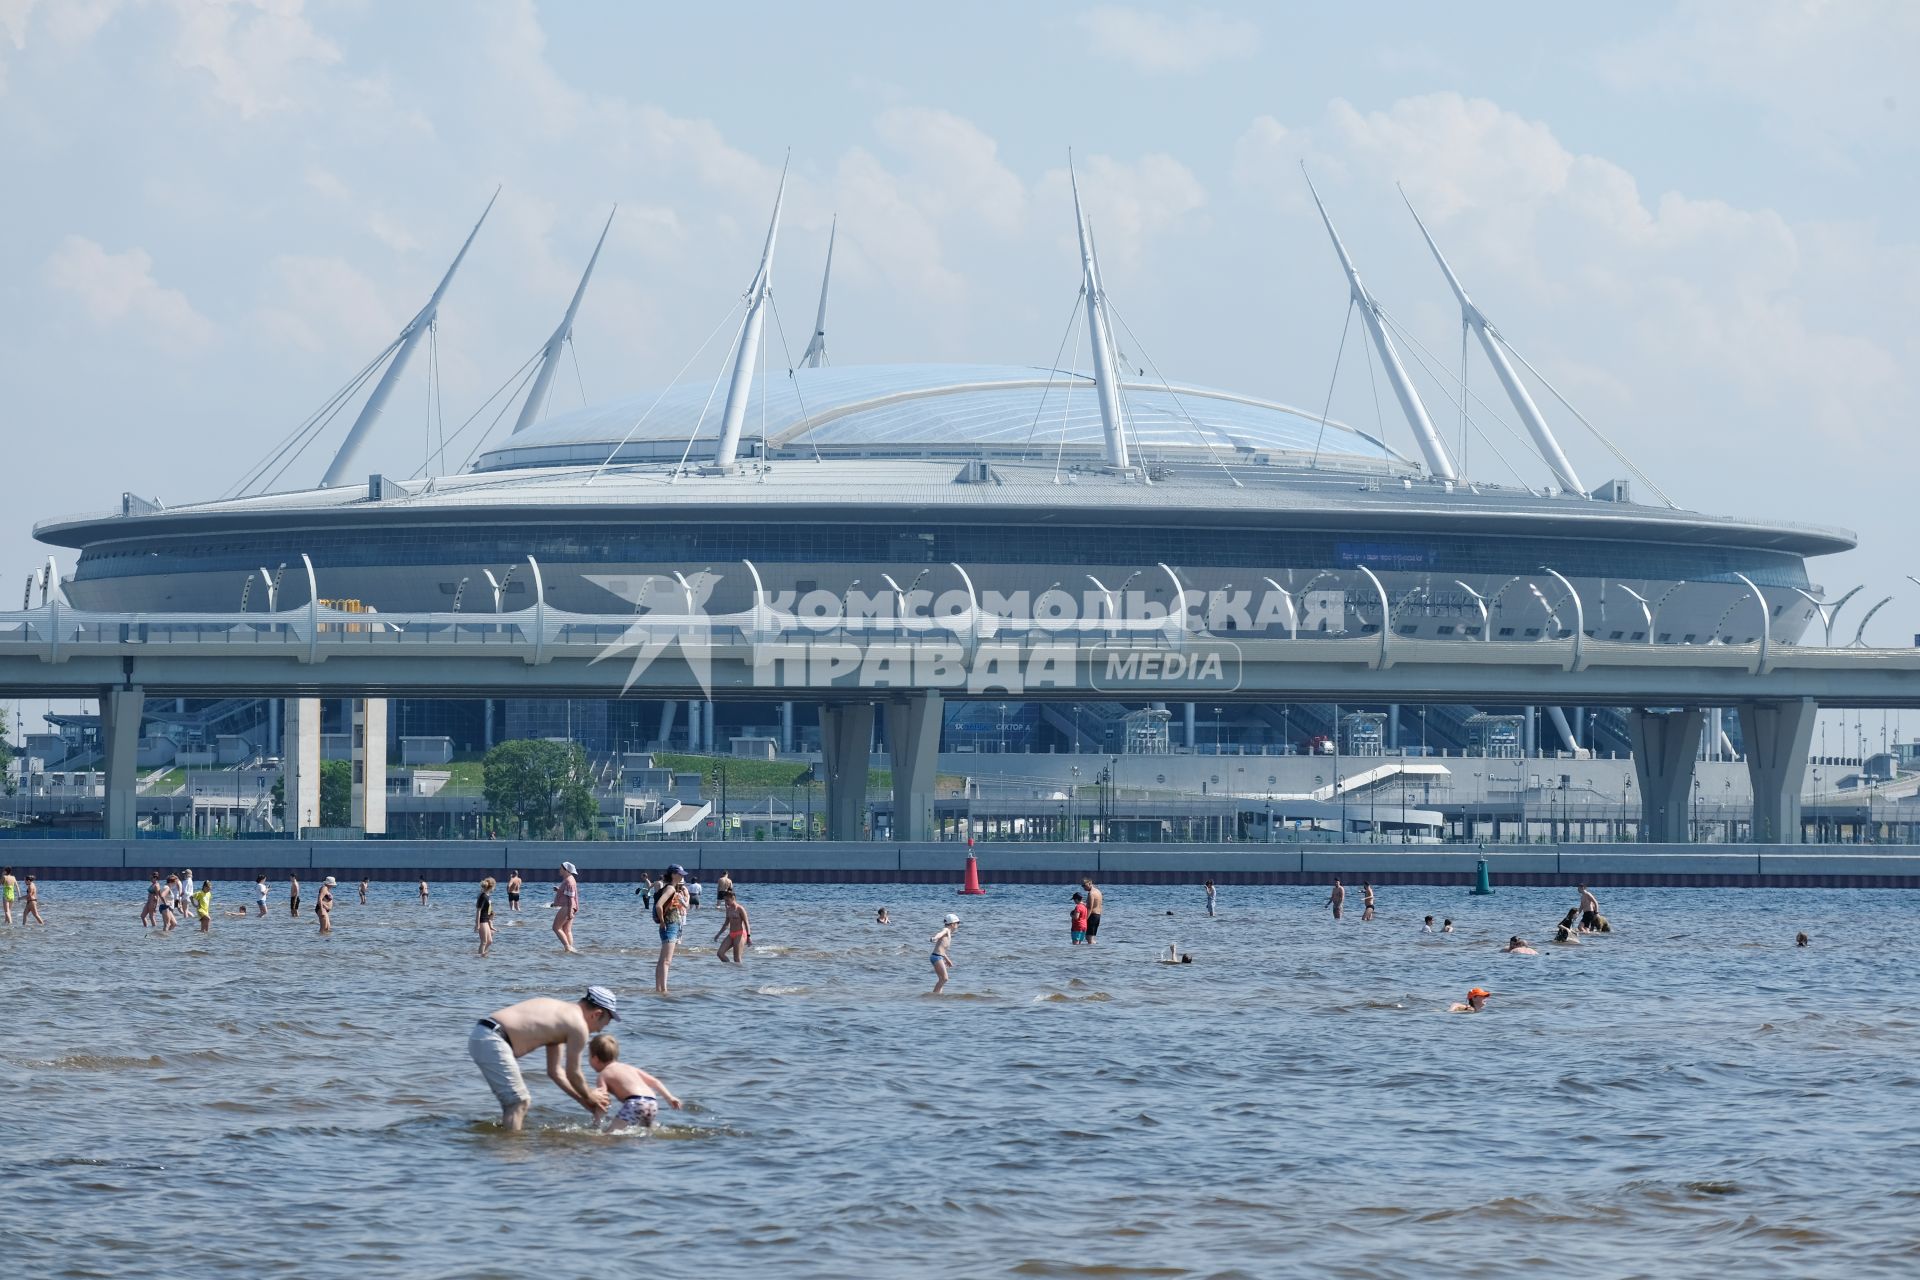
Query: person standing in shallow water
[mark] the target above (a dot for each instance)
(942, 945)
(423, 891)
(293, 895)
(363, 891)
(513, 893)
(32, 911)
(670, 913)
(1366, 901)
(1096, 907)
(566, 902)
(1337, 899)
(561, 1027)
(1212, 895)
(323, 906)
(483, 915)
(10, 888)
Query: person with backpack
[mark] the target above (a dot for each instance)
(670, 913)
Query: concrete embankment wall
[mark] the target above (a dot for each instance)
(837, 862)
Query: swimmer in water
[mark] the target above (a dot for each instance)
(638, 1092)
(1077, 919)
(1447, 926)
(1337, 899)
(1517, 946)
(881, 917)
(1565, 937)
(1801, 939)
(1476, 1001)
(942, 961)
(1426, 926)
(1589, 910)
(1366, 899)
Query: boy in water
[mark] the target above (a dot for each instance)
(638, 1092)
(1426, 926)
(735, 932)
(1079, 918)
(943, 962)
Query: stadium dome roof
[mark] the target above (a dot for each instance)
(927, 410)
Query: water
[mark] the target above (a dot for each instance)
(266, 1102)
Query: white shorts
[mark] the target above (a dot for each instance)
(494, 1056)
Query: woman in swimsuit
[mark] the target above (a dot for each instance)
(942, 962)
(670, 911)
(483, 914)
(323, 906)
(735, 933)
(150, 913)
(33, 904)
(8, 888)
(169, 893)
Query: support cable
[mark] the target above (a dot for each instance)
(641, 420)
(1321, 435)
(793, 375)
(1597, 433)
(1178, 403)
(1066, 336)
(315, 421)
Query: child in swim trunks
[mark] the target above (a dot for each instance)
(1079, 918)
(942, 961)
(637, 1092)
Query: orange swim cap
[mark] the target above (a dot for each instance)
(1482, 992)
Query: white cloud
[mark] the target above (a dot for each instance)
(954, 164)
(1828, 76)
(317, 304)
(118, 288)
(889, 233)
(255, 52)
(1160, 45)
(1711, 307)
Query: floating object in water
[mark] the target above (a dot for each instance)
(1482, 880)
(973, 876)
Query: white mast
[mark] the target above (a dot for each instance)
(816, 353)
(342, 464)
(742, 384)
(1495, 347)
(1436, 453)
(1106, 384)
(550, 356)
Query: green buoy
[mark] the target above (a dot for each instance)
(1482, 880)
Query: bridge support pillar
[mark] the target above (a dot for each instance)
(300, 764)
(1665, 744)
(369, 811)
(120, 711)
(786, 726)
(846, 749)
(1777, 737)
(913, 740)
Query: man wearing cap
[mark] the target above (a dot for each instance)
(1476, 1001)
(566, 901)
(499, 1040)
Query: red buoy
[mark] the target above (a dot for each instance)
(973, 876)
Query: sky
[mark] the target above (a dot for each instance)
(1695, 219)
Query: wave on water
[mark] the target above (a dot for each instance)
(91, 1062)
(778, 991)
(1061, 997)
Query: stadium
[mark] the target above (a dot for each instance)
(862, 489)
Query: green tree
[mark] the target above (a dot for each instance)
(336, 794)
(542, 786)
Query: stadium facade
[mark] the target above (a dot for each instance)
(868, 489)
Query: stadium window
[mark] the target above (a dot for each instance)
(1639, 635)
(1446, 629)
(1532, 632)
(1617, 634)
(1666, 637)
(1506, 631)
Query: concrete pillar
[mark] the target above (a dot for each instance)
(487, 725)
(1777, 737)
(1664, 746)
(693, 724)
(120, 711)
(1529, 733)
(707, 733)
(1192, 745)
(913, 738)
(300, 764)
(846, 739)
(369, 805)
(668, 711)
(786, 726)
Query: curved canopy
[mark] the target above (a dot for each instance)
(933, 410)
